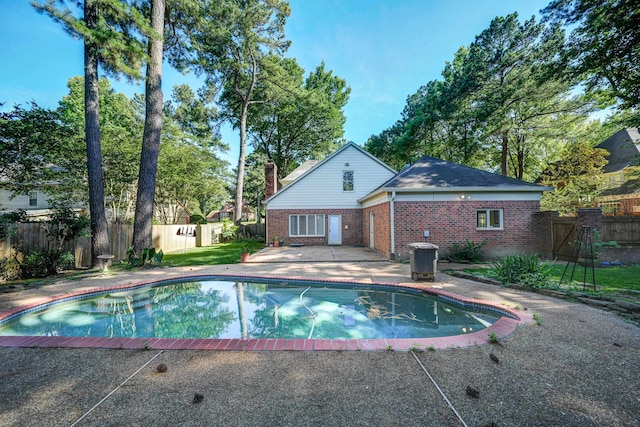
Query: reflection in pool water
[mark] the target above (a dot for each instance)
(246, 309)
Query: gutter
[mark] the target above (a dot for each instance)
(460, 189)
(393, 224)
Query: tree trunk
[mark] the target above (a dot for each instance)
(505, 154)
(142, 237)
(237, 213)
(246, 101)
(99, 236)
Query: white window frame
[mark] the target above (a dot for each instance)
(33, 198)
(488, 215)
(317, 221)
(344, 181)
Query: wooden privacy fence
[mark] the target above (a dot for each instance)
(624, 230)
(563, 234)
(169, 238)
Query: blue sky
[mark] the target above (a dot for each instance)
(385, 49)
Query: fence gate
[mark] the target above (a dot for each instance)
(564, 234)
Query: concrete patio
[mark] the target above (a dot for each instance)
(578, 367)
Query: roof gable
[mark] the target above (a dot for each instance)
(430, 173)
(623, 148)
(350, 145)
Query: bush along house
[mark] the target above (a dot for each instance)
(352, 198)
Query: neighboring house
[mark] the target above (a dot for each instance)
(226, 212)
(353, 198)
(35, 204)
(621, 187)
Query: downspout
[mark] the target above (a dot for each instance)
(266, 224)
(393, 224)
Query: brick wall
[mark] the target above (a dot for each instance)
(591, 217)
(270, 179)
(278, 225)
(381, 228)
(455, 221)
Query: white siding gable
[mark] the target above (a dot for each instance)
(21, 201)
(321, 188)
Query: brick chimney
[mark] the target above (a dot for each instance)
(270, 178)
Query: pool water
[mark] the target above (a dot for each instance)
(247, 309)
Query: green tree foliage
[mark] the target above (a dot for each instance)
(33, 141)
(108, 29)
(229, 42)
(120, 124)
(386, 148)
(300, 119)
(500, 105)
(439, 119)
(604, 45)
(190, 175)
(254, 181)
(575, 178)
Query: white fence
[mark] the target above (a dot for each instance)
(169, 238)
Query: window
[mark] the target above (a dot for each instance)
(610, 207)
(489, 219)
(347, 181)
(33, 198)
(306, 225)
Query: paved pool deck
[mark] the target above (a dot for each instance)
(579, 366)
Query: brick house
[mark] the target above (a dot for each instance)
(621, 185)
(352, 198)
(227, 211)
(320, 206)
(441, 202)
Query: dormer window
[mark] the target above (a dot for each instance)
(33, 198)
(347, 181)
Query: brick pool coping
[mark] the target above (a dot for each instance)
(510, 321)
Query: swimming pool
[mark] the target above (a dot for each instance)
(225, 309)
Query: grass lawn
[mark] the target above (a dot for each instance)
(222, 253)
(623, 277)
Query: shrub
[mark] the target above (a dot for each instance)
(40, 263)
(526, 270)
(469, 252)
(64, 226)
(229, 230)
(147, 254)
(9, 269)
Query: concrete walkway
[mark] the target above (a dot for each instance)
(291, 254)
(578, 367)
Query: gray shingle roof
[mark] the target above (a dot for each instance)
(624, 149)
(431, 173)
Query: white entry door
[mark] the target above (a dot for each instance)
(335, 229)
